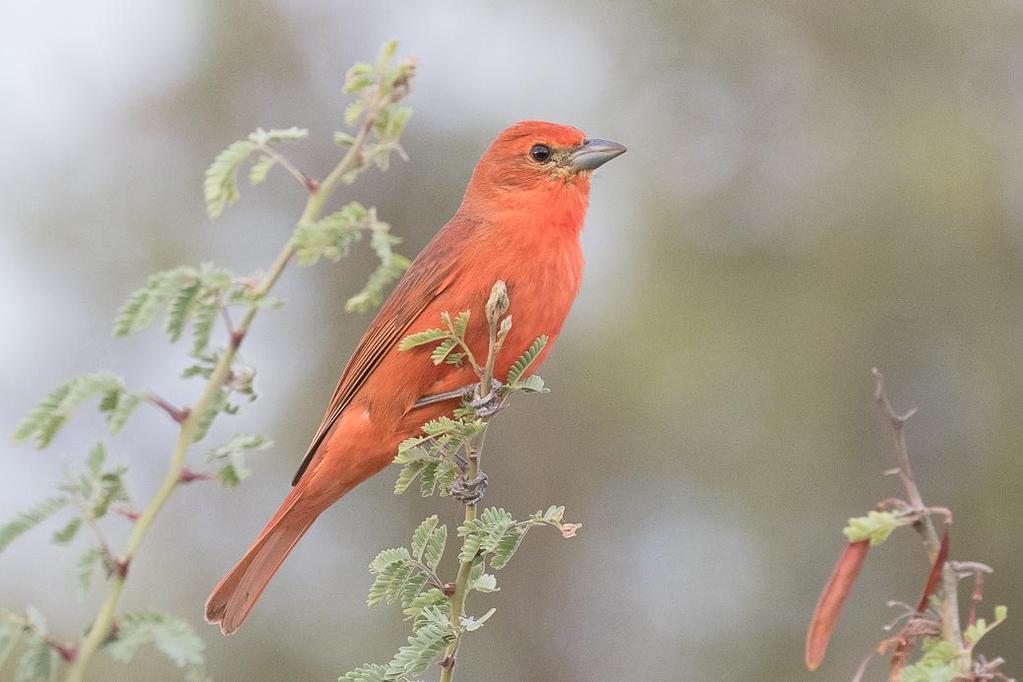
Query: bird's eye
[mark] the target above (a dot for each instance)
(540, 152)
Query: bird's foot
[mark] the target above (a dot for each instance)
(490, 404)
(469, 492)
(462, 393)
(485, 406)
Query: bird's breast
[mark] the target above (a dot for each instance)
(543, 279)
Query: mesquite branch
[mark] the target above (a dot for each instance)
(189, 418)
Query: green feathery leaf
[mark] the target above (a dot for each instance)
(443, 349)
(67, 533)
(172, 636)
(37, 663)
(119, 409)
(422, 534)
(446, 476)
(471, 624)
(385, 54)
(277, 135)
(876, 526)
(532, 384)
(524, 361)
(428, 479)
(408, 474)
(470, 547)
(387, 585)
(11, 630)
(96, 459)
(221, 184)
(937, 664)
(387, 557)
(230, 459)
(424, 646)
(390, 269)
(976, 632)
(88, 562)
(343, 139)
(506, 548)
(358, 78)
(460, 324)
(181, 309)
(29, 519)
(412, 588)
(45, 419)
(421, 338)
(202, 327)
(260, 169)
(144, 304)
(332, 236)
(370, 672)
(217, 405)
(485, 583)
(435, 546)
(422, 601)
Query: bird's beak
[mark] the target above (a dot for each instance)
(594, 153)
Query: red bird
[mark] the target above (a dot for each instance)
(519, 222)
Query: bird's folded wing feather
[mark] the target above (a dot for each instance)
(429, 276)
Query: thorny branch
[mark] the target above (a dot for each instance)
(950, 628)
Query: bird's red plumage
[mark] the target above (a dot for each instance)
(519, 222)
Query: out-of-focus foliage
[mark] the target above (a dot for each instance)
(876, 526)
(200, 297)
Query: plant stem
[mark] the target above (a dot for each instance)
(950, 627)
(473, 450)
(174, 413)
(287, 165)
(104, 622)
(86, 513)
(461, 582)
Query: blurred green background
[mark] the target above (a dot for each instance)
(811, 189)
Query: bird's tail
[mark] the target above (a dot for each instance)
(235, 595)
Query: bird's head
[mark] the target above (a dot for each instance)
(536, 161)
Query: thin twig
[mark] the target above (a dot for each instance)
(225, 315)
(431, 574)
(898, 425)
(178, 414)
(303, 179)
(187, 475)
(950, 628)
(86, 514)
(127, 513)
(68, 652)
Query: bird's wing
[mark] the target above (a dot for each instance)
(431, 273)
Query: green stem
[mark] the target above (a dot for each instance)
(287, 165)
(461, 584)
(104, 622)
(473, 451)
